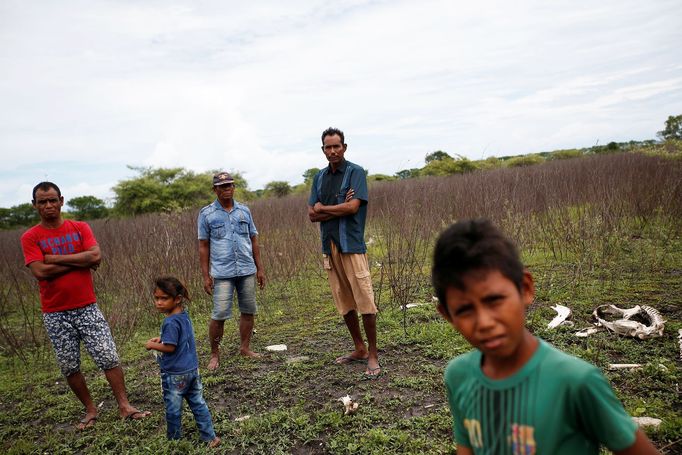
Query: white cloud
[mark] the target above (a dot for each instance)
(90, 87)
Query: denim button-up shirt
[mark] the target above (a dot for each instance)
(229, 234)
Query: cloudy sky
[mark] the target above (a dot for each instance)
(90, 87)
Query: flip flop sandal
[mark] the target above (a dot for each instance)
(371, 376)
(86, 423)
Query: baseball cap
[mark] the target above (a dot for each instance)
(222, 178)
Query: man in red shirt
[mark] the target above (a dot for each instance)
(61, 254)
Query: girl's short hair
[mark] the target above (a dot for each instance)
(172, 286)
(473, 245)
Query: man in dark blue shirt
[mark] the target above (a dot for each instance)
(338, 201)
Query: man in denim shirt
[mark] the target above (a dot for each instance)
(338, 201)
(228, 242)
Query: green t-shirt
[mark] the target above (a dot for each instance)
(556, 404)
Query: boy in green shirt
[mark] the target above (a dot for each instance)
(516, 394)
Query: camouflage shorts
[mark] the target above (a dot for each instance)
(67, 329)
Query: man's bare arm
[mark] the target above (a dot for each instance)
(42, 271)
(344, 209)
(54, 265)
(260, 271)
(317, 217)
(88, 258)
(204, 253)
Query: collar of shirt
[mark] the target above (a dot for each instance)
(218, 206)
(341, 168)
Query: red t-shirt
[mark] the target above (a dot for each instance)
(74, 289)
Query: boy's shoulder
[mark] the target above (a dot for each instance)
(550, 360)
(561, 371)
(565, 364)
(463, 365)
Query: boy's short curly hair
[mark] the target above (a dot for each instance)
(470, 246)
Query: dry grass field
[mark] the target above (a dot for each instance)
(593, 230)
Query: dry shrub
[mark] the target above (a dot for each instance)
(20, 316)
(577, 210)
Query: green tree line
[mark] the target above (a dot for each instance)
(171, 189)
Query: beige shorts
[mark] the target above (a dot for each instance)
(350, 281)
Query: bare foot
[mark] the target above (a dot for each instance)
(355, 356)
(134, 414)
(214, 363)
(87, 421)
(215, 443)
(249, 353)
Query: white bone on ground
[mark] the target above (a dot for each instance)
(588, 331)
(562, 313)
(624, 366)
(345, 400)
(647, 421)
(627, 314)
(628, 327)
(414, 305)
(276, 347)
(349, 405)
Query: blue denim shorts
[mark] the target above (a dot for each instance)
(67, 329)
(223, 295)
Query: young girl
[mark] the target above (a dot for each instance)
(178, 361)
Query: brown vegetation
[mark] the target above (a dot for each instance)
(575, 210)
